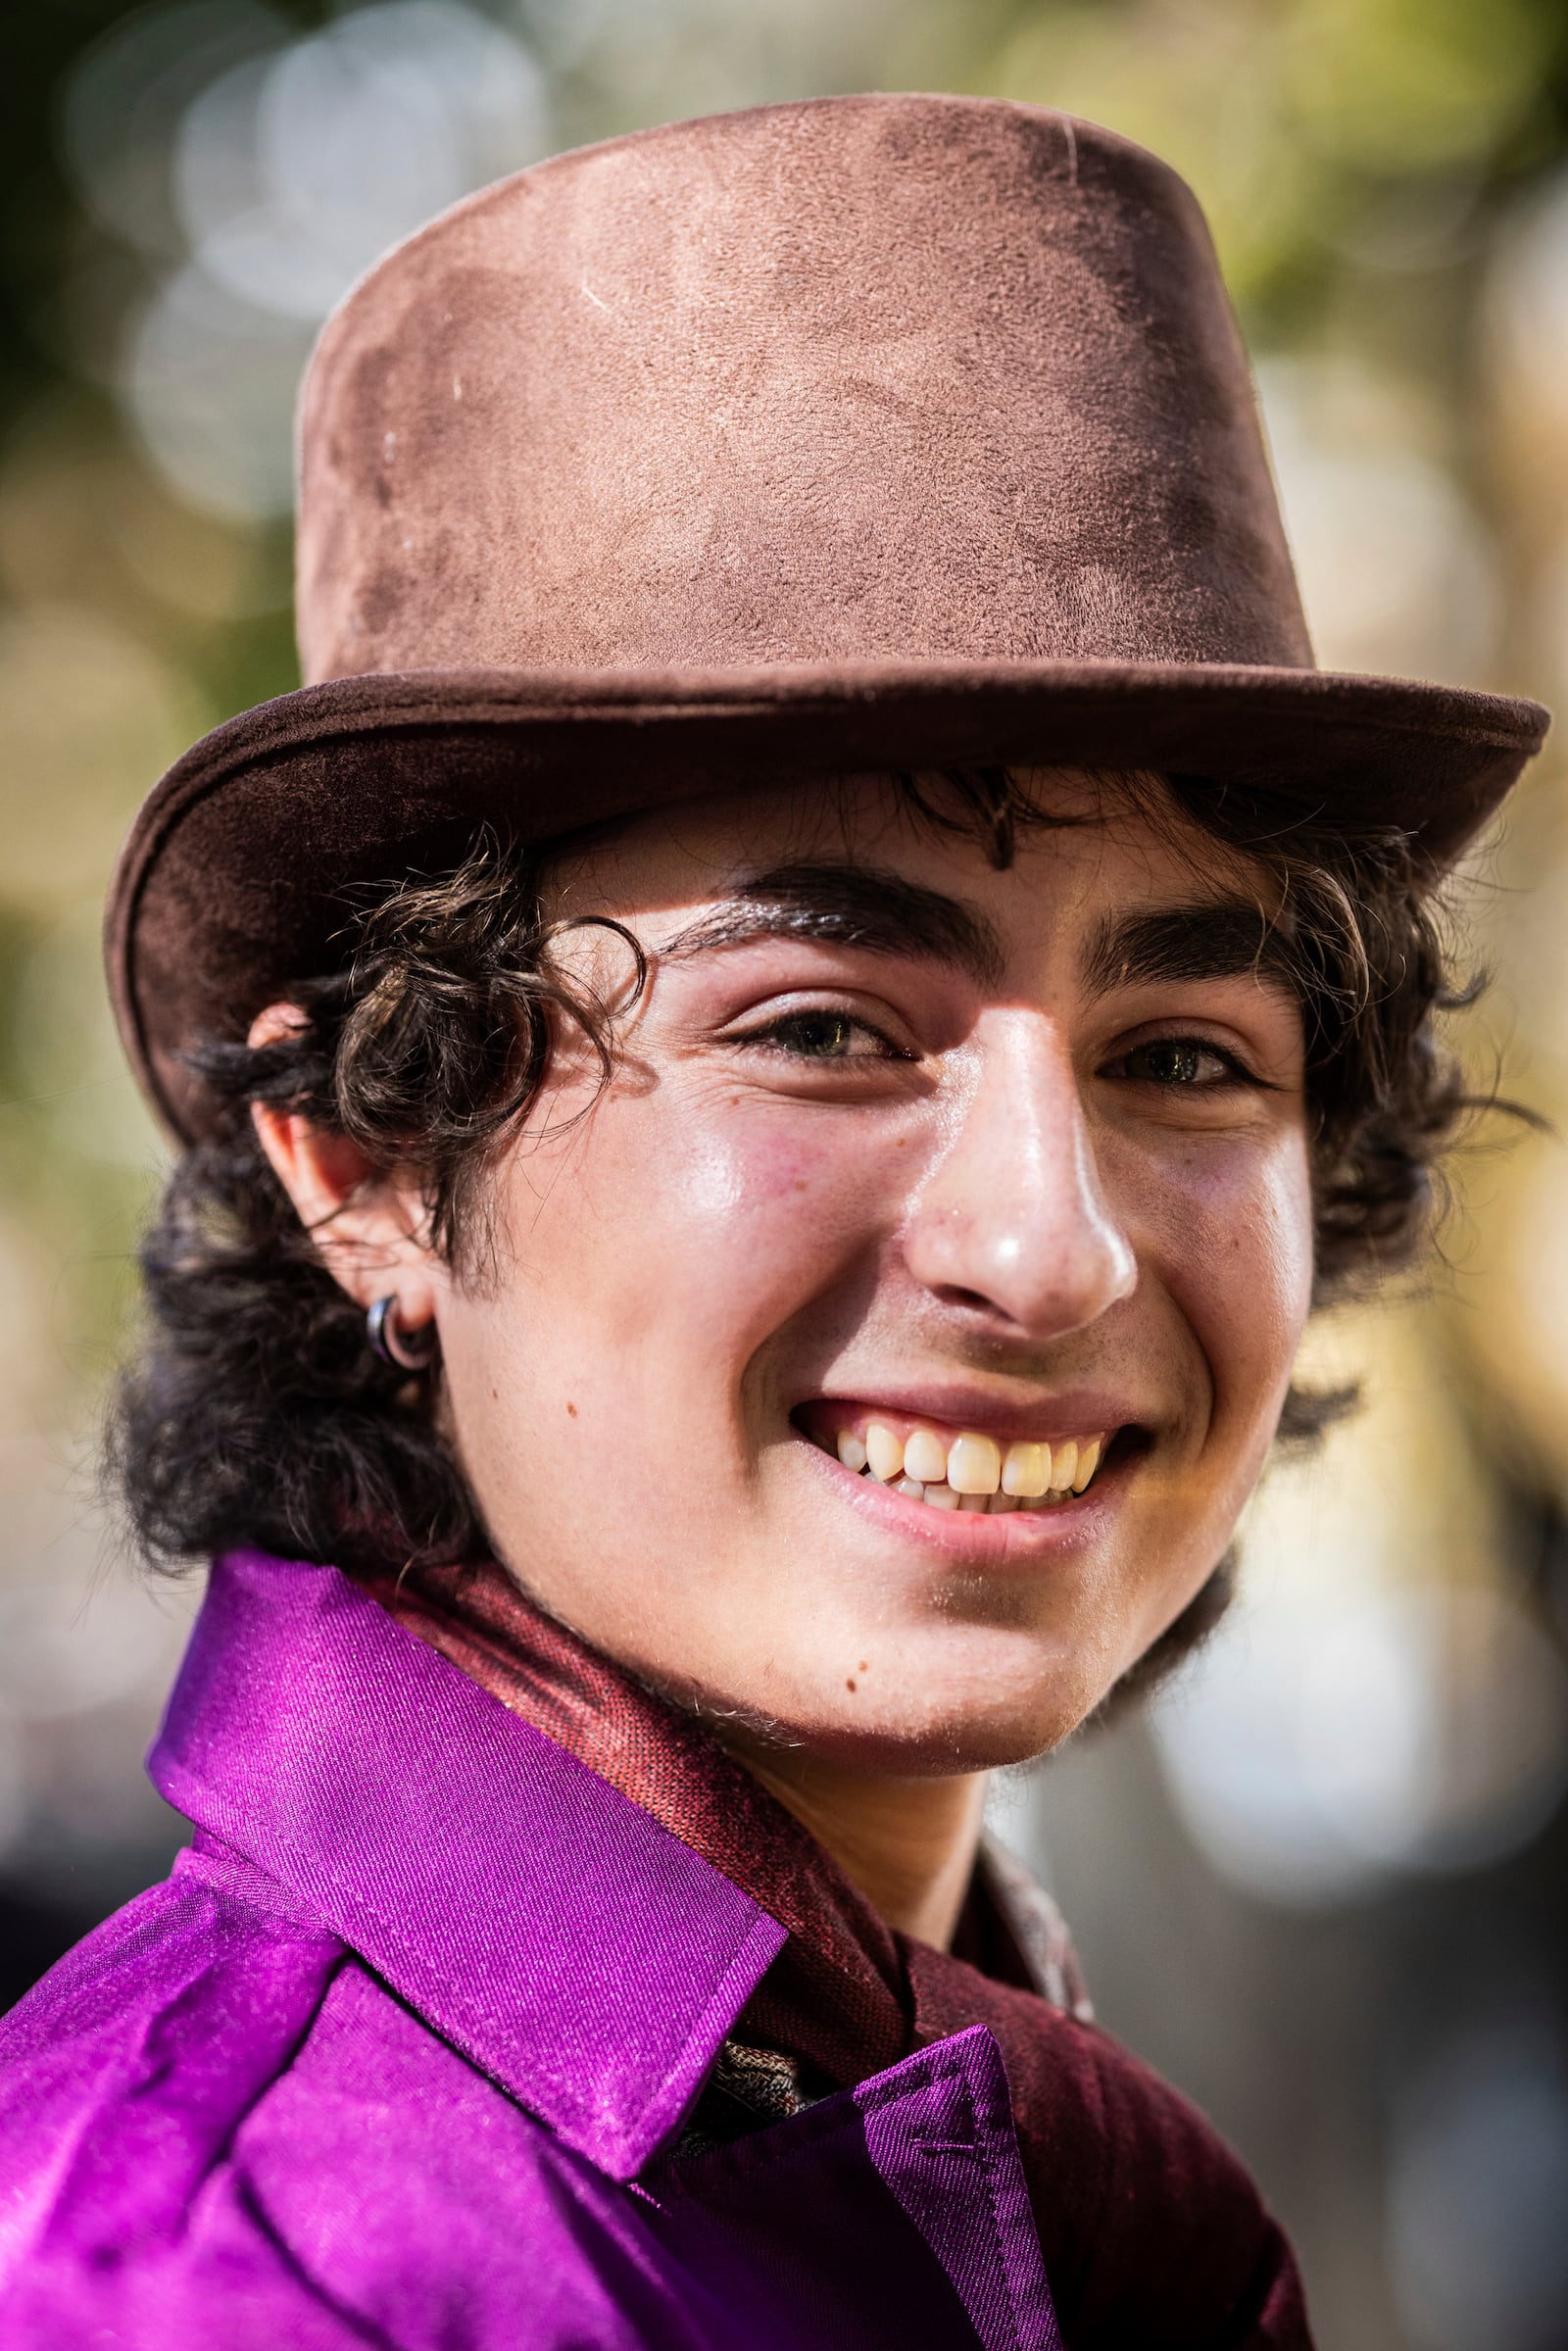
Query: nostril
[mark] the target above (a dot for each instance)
(974, 1302)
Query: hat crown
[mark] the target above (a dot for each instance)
(848, 381)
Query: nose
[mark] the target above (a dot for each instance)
(1011, 1218)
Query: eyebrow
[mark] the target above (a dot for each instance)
(869, 907)
(848, 905)
(1211, 939)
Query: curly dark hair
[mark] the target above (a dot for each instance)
(256, 1412)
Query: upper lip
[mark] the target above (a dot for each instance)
(1073, 1412)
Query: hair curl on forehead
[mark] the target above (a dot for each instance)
(255, 1410)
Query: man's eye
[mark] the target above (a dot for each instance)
(821, 1037)
(1180, 1061)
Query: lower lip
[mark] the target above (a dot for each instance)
(1011, 1539)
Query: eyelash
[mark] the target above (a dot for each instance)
(1234, 1072)
(770, 1036)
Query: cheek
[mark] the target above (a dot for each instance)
(1255, 1246)
(1233, 1249)
(696, 1225)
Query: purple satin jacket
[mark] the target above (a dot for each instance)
(400, 2053)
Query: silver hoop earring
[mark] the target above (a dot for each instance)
(393, 1346)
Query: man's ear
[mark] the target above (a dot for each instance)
(369, 1230)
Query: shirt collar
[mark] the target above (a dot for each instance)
(536, 1918)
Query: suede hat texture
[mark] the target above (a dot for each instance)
(861, 434)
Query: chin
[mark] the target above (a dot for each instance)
(933, 1722)
(967, 1739)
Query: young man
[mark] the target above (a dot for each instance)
(817, 967)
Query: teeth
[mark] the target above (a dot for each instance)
(972, 1473)
(925, 1457)
(884, 1452)
(975, 1466)
(1026, 1471)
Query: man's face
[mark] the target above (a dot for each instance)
(900, 1152)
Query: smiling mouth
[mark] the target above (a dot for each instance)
(963, 1469)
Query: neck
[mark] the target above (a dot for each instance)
(908, 1845)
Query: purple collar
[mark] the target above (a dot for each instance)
(541, 1922)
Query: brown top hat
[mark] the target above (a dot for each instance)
(871, 432)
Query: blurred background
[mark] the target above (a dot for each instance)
(1321, 1882)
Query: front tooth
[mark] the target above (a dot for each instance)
(925, 1456)
(912, 1487)
(1087, 1463)
(1003, 1501)
(941, 1498)
(974, 1502)
(852, 1451)
(884, 1452)
(975, 1466)
(1063, 1465)
(1026, 1471)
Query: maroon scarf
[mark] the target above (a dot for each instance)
(1151, 2233)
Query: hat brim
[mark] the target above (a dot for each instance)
(235, 878)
